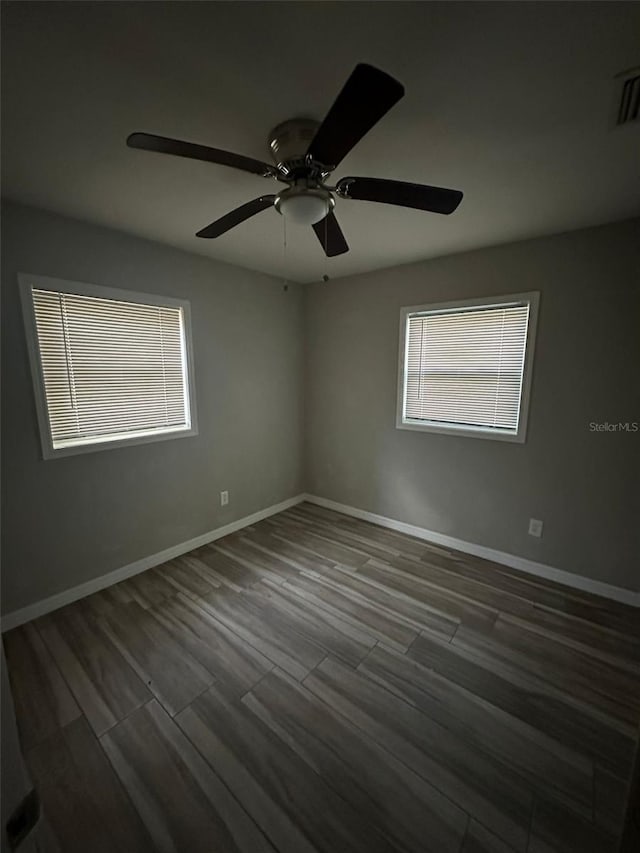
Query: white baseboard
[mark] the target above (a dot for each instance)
(39, 608)
(626, 596)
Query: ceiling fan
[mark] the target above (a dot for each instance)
(305, 153)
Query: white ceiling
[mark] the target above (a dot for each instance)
(509, 102)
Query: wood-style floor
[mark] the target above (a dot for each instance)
(317, 684)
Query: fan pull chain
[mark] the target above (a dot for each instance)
(285, 282)
(325, 277)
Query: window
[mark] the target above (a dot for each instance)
(465, 367)
(110, 367)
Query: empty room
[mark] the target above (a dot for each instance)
(320, 427)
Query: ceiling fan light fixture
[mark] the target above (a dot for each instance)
(304, 205)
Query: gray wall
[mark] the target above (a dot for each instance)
(583, 485)
(68, 520)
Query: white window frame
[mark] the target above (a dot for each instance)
(27, 282)
(532, 299)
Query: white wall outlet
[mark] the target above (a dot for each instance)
(535, 527)
(224, 498)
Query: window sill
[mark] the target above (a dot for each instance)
(111, 443)
(466, 431)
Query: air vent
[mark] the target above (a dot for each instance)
(629, 102)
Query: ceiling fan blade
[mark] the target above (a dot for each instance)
(419, 196)
(330, 235)
(245, 211)
(164, 145)
(366, 96)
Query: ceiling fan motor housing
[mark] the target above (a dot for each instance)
(290, 140)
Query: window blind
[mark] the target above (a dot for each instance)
(465, 366)
(111, 369)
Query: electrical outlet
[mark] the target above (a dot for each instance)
(535, 527)
(224, 498)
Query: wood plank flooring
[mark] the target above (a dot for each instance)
(315, 684)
